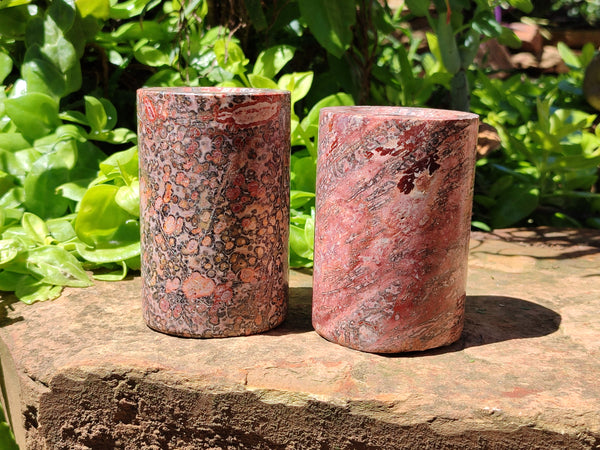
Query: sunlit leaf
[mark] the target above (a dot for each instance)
(270, 61)
(330, 22)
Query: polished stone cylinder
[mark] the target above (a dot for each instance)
(214, 194)
(393, 209)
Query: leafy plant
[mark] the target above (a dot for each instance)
(459, 28)
(7, 440)
(50, 156)
(68, 164)
(549, 169)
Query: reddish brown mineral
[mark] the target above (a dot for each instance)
(214, 191)
(393, 208)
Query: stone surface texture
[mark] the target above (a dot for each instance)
(85, 372)
(214, 194)
(393, 210)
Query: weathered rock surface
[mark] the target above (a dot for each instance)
(84, 371)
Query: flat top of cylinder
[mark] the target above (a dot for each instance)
(212, 90)
(400, 112)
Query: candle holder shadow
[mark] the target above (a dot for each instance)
(298, 319)
(490, 319)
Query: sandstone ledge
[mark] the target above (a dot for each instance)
(84, 372)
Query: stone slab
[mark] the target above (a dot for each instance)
(84, 372)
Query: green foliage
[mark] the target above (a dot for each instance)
(49, 160)
(68, 163)
(549, 167)
(330, 22)
(459, 27)
(7, 440)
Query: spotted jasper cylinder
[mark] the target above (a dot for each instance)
(214, 192)
(393, 209)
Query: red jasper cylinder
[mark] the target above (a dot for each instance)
(393, 209)
(214, 193)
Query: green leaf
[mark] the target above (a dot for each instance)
(300, 198)
(115, 275)
(109, 255)
(74, 116)
(131, 8)
(128, 198)
(9, 249)
(36, 228)
(514, 205)
(481, 225)
(35, 115)
(298, 242)
(10, 280)
(309, 232)
(29, 290)
(298, 83)
(74, 190)
(269, 62)
(13, 22)
(230, 56)
(568, 56)
(330, 22)
(100, 9)
(116, 136)
(43, 77)
(303, 173)
(486, 24)
(310, 123)
(165, 77)
(100, 217)
(419, 8)
(61, 229)
(54, 265)
(468, 50)
(260, 82)
(509, 38)
(6, 66)
(135, 31)
(231, 83)
(587, 54)
(95, 114)
(47, 173)
(524, 5)
(123, 165)
(49, 35)
(447, 43)
(62, 13)
(12, 3)
(12, 199)
(7, 440)
(111, 113)
(13, 142)
(151, 56)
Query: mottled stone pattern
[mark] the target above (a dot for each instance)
(214, 192)
(393, 208)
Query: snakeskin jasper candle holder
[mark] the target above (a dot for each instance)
(393, 209)
(214, 192)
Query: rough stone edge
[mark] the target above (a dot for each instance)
(20, 394)
(125, 408)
